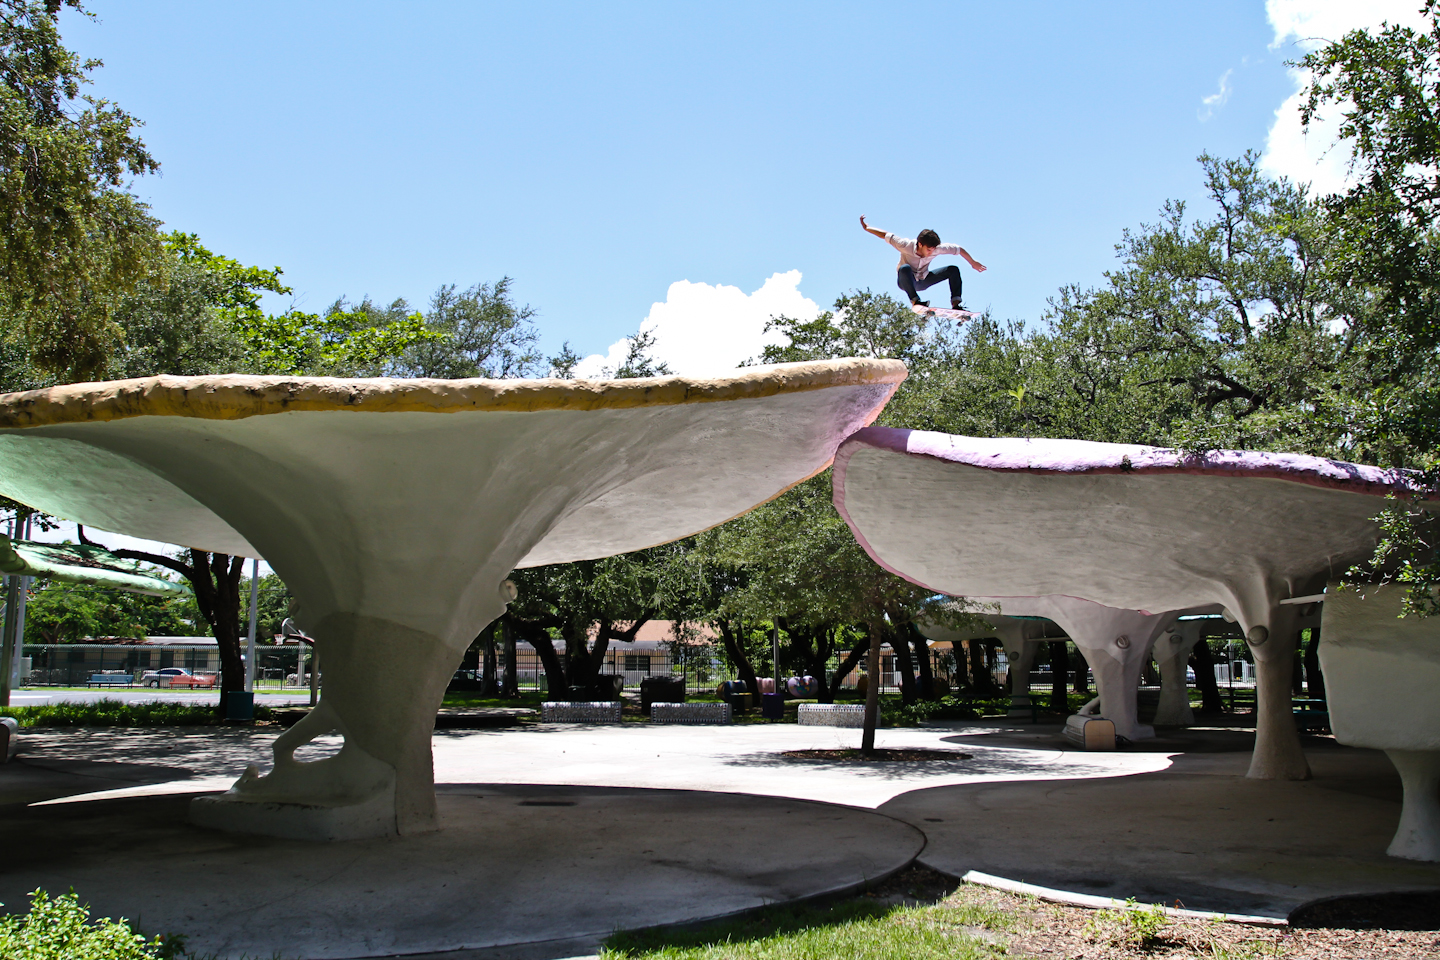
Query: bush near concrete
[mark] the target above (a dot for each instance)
(61, 929)
(118, 713)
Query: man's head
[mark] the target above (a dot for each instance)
(927, 241)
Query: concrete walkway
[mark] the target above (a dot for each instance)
(1198, 832)
(555, 835)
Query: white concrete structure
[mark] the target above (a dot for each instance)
(1129, 527)
(1382, 681)
(1020, 636)
(1172, 653)
(394, 509)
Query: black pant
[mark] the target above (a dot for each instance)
(905, 279)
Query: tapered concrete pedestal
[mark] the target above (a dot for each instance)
(1382, 681)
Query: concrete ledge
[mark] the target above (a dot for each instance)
(9, 738)
(831, 715)
(368, 820)
(598, 711)
(1110, 903)
(690, 713)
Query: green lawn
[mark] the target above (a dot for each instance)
(119, 713)
(858, 929)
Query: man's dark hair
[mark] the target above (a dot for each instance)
(929, 238)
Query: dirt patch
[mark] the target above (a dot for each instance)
(881, 756)
(1046, 930)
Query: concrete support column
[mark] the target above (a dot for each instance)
(1278, 755)
(1172, 652)
(1418, 836)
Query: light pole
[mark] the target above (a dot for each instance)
(250, 633)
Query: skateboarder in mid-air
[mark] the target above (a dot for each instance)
(914, 274)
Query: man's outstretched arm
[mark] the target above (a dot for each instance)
(961, 252)
(870, 229)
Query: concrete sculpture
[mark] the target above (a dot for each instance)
(1129, 527)
(394, 509)
(1172, 653)
(1381, 675)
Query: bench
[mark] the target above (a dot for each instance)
(580, 711)
(690, 713)
(831, 715)
(1311, 716)
(9, 738)
(111, 680)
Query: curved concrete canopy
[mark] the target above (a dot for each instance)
(394, 509)
(1128, 527)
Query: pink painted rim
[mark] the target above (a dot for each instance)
(1085, 457)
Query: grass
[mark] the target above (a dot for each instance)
(118, 713)
(528, 698)
(858, 929)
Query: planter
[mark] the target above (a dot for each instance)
(1381, 678)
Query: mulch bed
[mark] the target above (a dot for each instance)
(853, 755)
(1052, 930)
(1046, 930)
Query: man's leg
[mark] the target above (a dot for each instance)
(951, 273)
(905, 280)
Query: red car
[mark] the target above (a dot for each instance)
(176, 677)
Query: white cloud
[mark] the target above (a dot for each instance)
(707, 331)
(1301, 26)
(1216, 100)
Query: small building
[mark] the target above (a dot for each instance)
(71, 664)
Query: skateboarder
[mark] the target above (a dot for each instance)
(914, 274)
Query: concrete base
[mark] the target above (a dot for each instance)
(236, 813)
(1200, 833)
(540, 871)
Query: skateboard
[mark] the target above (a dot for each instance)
(959, 316)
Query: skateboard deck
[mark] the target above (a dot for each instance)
(958, 315)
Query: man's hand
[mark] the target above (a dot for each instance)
(979, 267)
(869, 229)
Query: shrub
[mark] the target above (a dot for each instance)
(118, 713)
(61, 929)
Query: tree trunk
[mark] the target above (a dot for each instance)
(1059, 674)
(1204, 664)
(539, 638)
(215, 580)
(922, 660)
(1314, 680)
(978, 657)
(872, 692)
(735, 650)
(511, 688)
(823, 649)
(847, 665)
(489, 682)
(900, 648)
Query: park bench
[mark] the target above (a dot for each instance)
(831, 715)
(690, 713)
(1311, 716)
(580, 711)
(110, 680)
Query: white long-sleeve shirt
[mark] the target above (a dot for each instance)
(908, 255)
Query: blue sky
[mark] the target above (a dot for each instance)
(598, 153)
(695, 168)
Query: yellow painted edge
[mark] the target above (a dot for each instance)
(236, 397)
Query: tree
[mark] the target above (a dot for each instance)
(1387, 87)
(72, 239)
(586, 604)
(57, 612)
(483, 334)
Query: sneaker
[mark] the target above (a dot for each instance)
(956, 305)
(919, 303)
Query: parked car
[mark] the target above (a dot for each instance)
(176, 677)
